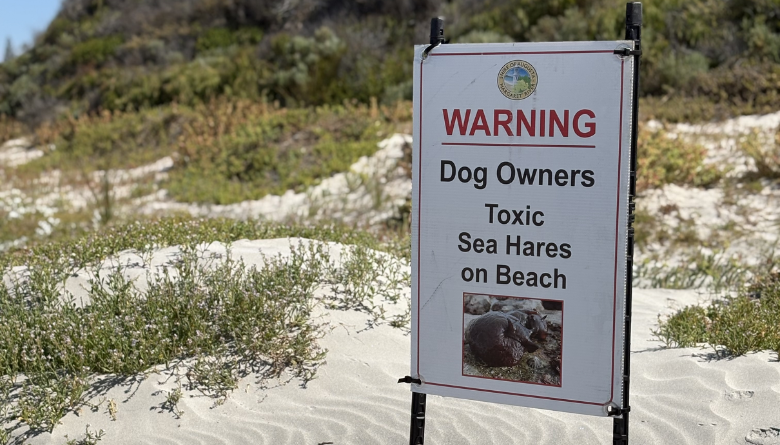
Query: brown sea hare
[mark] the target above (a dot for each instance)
(499, 339)
(533, 321)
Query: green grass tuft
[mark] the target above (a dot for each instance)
(765, 154)
(214, 316)
(749, 322)
(664, 160)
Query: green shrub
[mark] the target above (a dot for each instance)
(741, 326)
(10, 128)
(198, 80)
(231, 311)
(678, 70)
(23, 90)
(702, 59)
(270, 152)
(763, 41)
(95, 51)
(484, 37)
(214, 316)
(98, 142)
(56, 29)
(237, 73)
(688, 327)
(305, 67)
(571, 26)
(226, 151)
(215, 38)
(765, 154)
(664, 160)
(746, 323)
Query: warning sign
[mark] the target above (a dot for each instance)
(520, 204)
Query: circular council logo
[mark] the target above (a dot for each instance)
(517, 79)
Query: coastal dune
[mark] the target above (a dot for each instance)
(678, 396)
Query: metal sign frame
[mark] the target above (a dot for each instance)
(621, 415)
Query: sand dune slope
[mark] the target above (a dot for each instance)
(678, 396)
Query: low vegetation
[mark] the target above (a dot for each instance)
(697, 269)
(664, 159)
(251, 98)
(702, 59)
(107, 55)
(74, 253)
(764, 153)
(215, 317)
(733, 326)
(260, 153)
(10, 128)
(224, 151)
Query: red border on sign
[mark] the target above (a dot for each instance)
(600, 51)
(617, 228)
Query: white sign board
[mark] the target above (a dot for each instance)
(521, 176)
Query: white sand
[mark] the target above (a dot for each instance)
(744, 229)
(369, 193)
(678, 396)
(733, 224)
(721, 138)
(17, 152)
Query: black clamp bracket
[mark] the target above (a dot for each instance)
(437, 36)
(625, 52)
(409, 379)
(613, 411)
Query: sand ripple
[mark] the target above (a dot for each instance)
(678, 397)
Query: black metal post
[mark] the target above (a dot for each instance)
(417, 432)
(437, 31)
(633, 32)
(417, 429)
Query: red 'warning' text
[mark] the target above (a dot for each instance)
(533, 123)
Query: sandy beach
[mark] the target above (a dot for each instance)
(678, 396)
(244, 221)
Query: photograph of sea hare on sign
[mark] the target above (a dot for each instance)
(511, 338)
